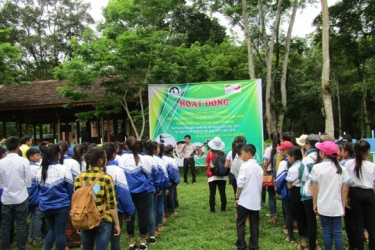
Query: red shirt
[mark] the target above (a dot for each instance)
(209, 162)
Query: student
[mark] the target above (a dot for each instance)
(268, 156)
(248, 200)
(15, 178)
(310, 159)
(173, 175)
(293, 184)
(214, 181)
(105, 200)
(346, 152)
(79, 156)
(35, 237)
(68, 161)
(26, 142)
(55, 192)
(361, 203)
(137, 173)
(329, 188)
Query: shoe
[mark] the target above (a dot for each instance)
(143, 246)
(152, 240)
(38, 243)
(13, 244)
(132, 247)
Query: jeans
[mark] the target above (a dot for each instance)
(58, 221)
(242, 215)
(115, 240)
(223, 197)
(151, 214)
(311, 223)
(159, 208)
(332, 229)
(233, 181)
(142, 204)
(17, 213)
(99, 236)
(271, 200)
(360, 216)
(189, 163)
(171, 197)
(288, 217)
(35, 223)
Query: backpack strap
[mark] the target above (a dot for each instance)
(92, 185)
(312, 157)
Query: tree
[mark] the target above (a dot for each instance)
(43, 29)
(327, 97)
(9, 56)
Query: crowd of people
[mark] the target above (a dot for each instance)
(136, 178)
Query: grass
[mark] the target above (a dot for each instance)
(195, 228)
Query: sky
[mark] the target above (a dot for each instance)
(302, 25)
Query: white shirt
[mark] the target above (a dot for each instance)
(267, 156)
(293, 174)
(235, 163)
(250, 180)
(15, 178)
(329, 202)
(367, 176)
(283, 165)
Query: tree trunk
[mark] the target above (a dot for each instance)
(248, 40)
(339, 106)
(327, 97)
(367, 128)
(124, 103)
(270, 99)
(285, 68)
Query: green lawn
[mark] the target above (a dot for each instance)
(195, 228)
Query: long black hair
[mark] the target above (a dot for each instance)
(361, 149)
(78, 152)
(131, 144)
(238, 139)
(289, 136)
(93, 155)
(275, 139)
(296, 152)
(51, 155)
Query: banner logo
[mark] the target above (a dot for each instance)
(232, 88)
(174, 90)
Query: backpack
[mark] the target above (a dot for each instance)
(219, 168)
(281, 185)
(84, 213)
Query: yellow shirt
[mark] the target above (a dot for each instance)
(24, 148)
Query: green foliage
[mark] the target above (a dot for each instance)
(9, 57)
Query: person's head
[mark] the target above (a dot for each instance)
(216, 144)
(302, 140)
(26, 139)
(311, 140)
(344, 139)
(96, 157)
(78, 152)
(13, 144)
(294, 154)
(155, 147)
(110, 150)
(284, 146)
(168, 150)
(238, 140)
(289, 136)
(361, 151)
(346, 150)
(33, 155)
(43, 147)
(326, 137)
(247, 152)
(52, 154)
(64, 146)
(118, 146)
(329, 150)
(2, 152)
(187, 139)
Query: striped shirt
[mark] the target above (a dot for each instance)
(103, 189)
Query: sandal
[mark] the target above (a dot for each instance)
(300, 246)
(289, 240)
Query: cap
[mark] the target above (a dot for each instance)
(301, 140)
(344, 139)
(329, 148)
(312, 138)
(285, 145)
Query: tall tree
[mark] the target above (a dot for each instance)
(9, 56)
(43, 29)
(327, 96)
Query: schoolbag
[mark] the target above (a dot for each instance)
(281, 185)
(84, 213)
(219, 168)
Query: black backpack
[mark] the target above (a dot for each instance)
(219, 164)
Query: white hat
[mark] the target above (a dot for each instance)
(216, 144)
(301, 140)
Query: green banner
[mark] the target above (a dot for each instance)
(205, 110)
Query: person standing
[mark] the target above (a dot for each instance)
(189, 162)
(15, 178)
(248, 199)
(26, 142)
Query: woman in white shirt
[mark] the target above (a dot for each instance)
(360, 211)
(329, 188)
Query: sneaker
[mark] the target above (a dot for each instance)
(143, 246)
(152, 240)
(38, 243)
(132, 247)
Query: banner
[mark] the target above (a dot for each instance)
(205, 110)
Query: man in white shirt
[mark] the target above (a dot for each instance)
(188, 151)
(248, 200)
(15, 178)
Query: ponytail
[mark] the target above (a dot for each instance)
(275, 138)
(237, 140)
(51, 155)
(336, 162)
(133, 145)
(361, 149)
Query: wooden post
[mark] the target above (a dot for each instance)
(58, 129)
(108, 129)
(41, 132)
(4, 130)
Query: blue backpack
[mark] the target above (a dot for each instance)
(281, 186)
